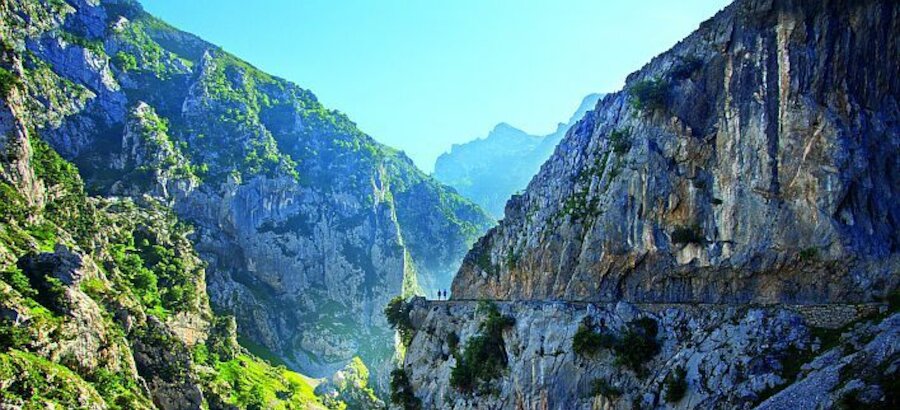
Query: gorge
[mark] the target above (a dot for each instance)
(182, 230)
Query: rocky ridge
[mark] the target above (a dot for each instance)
(755, 161)
(491, 169)
(308, 225)
(671, 251)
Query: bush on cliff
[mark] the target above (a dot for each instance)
(649, 95)
(484, 357)
(8, 81)
(687, 234)
(635, 347)
(602, 387)
(638, 344)
(397, 314)
(588, 342)
(401, 391)
(676, 385)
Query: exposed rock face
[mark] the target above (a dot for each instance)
(732, 356)
(752, 167)
(757, 160)
(490, 170)
(309, 226)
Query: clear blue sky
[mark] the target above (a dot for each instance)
(422, 75)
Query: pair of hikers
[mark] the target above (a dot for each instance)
(442, 294)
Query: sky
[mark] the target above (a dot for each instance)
(423, 75)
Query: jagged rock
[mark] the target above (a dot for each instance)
(762, 167)
(309, 226)
(733, 356)
(490, 170)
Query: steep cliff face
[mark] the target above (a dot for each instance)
(701, 356)
(490, 170)
(656, 259)
(103, 303)
(308, 225)
(754, 161)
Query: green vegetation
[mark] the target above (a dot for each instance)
(401, 391)
(602, 387)
(638, 344)
(50, 291)
(588, 342)
(69, 209)
(143, 54)
(160, 277)
(649, 95)
(8, 81)
(249, 383)
(484, 357)
(397, 314)
(809, 254)
(119, 390)
(686, 67)
(676, 385)
(453, 342)
(13, 336)
(39, 383)
(688, 234)
(483, 259)
(15, 278)
(632, 349)
(95, 46)
(125, 61)
(620, 141)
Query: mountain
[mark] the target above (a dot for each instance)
(305, 225)
(723, 233)
(490, 170)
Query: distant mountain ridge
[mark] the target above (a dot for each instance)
(490, 170)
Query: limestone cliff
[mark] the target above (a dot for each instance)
(717, 356)
(308, 225)
(491, 169)
(757, 160)
(723, 233)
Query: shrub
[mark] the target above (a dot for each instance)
(687, 234)
(686, 67)
(8, 81)
(587, 342)
(638, 344)
(484, 357)
(453, 342)
(15, 278)
(13, 336)
(635, 347)
(676, 385)
(650, 95)
(620, 141)
(397, 314)
(809, 254)
(125, 61)
(602, 387)
(401, 391)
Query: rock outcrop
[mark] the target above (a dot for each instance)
(308, 225)
(490, 170)
(726, 356)
(721, 234)
(756, 161)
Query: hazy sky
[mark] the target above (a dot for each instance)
(422, 75)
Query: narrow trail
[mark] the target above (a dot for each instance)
(826, 315)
